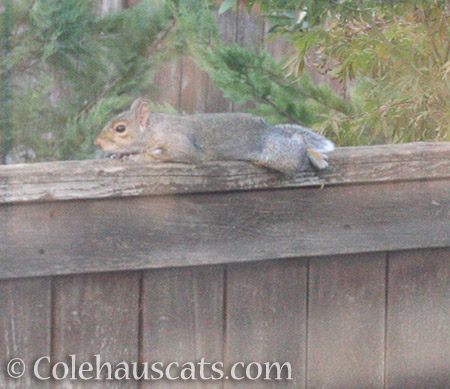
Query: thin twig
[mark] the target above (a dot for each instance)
(155, 45)
(373, 24)
(272, 104)
(434, 49)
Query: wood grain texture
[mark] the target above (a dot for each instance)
(266, 319)
(194, 86)
(418, 321)
(250, 29)
(182, 321)
(51, 181)
(227, 25)
(25, 311)
(96, 314)
(168, 83)
(250, 34)
(151, 232)
(346, 321)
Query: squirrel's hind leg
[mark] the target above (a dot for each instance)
(281, 153)
(287, 170)
(318, 160)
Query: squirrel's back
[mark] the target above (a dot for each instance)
(215, 135)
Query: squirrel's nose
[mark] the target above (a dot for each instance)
(98, 142)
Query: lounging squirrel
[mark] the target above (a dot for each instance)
(287, 148)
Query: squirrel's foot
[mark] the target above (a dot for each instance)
(318, 160)
(126, 156)
(120, 155)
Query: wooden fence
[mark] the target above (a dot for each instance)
(344, 273)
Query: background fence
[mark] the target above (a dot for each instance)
(350, 283)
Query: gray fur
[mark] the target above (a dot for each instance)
(223, 136)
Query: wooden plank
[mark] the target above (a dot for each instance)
(193, 88)
(125, 234)
(25, 311)
(227, 25)
(168, 82)
(250, 29)
(266, 319)
(182, 321)
(51, 181)
(346, 321)
(250, 34)
(97, 314)
(418, 320)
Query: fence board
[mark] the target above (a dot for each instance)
(194, 86)
(418, 322)
(346, 321)
(168, 82)
(25, 310)
(51, 181)
(96, 314)
(227, 25)
(249, 34)
(250, 30)
(266, 318)
(137, 233)
(183, 320)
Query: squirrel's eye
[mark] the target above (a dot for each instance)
(120, 128)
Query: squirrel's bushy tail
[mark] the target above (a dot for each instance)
(314, 140)
(315, 144)
(318, 142)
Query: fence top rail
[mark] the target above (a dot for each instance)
(107, 178)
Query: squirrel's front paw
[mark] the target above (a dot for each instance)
(125, 156)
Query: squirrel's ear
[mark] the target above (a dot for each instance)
(136, 103)
(142, 111)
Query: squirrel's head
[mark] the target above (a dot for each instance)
(123, 133)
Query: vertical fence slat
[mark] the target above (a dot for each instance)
(183, 320)
(97, 314)
(215, 101)
(194, 86)
(250, 34)
(266, 318)
(25, 311)
(250, 30)
(168, 82)
(346, 321)
(418, 321)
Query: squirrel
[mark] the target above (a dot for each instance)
(286, 148)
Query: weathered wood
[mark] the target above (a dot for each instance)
(25, 311)
(418, 320)
(168, 83)
(227, 25)
(161, 231)
(250, 34)
(96, 314)
(346, 321)
(266, 320)
(111, 178)
(250, 29)
(194, 86)
(182, 321)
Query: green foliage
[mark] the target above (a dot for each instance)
(252, 75)
(397, 60)
(394, 57)
(69, 69)
(6, 27)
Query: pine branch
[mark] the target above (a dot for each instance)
(152, 49)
